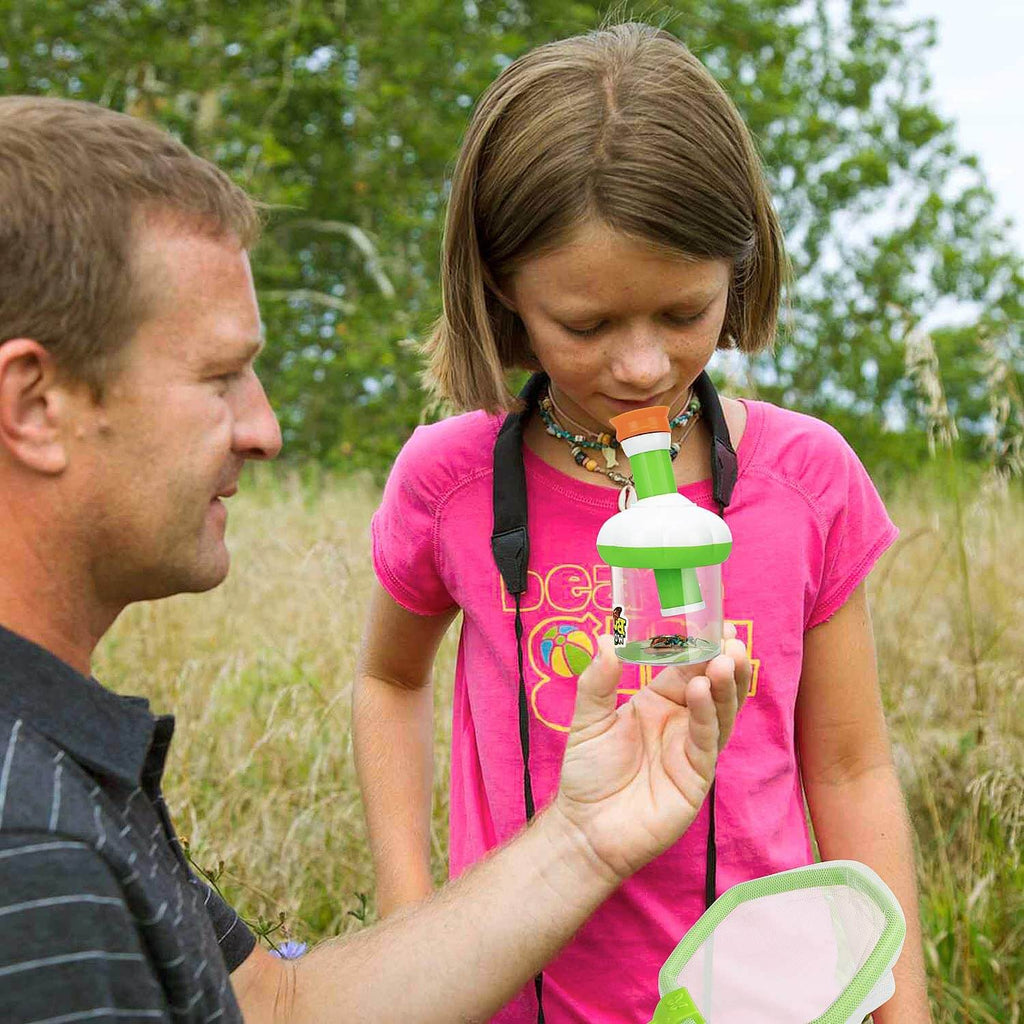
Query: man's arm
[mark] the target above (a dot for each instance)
(633, 780)
(852, 790)
(69, 948)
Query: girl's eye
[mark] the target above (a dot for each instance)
(675, 319)
(585, 332)
(684, 319)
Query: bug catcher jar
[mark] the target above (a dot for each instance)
(665, 554)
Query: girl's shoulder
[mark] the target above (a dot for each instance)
(441, 456)
(785, 428)
(798, 448)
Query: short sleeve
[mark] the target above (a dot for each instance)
(859, 530)
(404, 531)
(235, 939)
(69, 947)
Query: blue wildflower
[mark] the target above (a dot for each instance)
(290, 949)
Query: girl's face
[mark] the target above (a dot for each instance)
(616, 324)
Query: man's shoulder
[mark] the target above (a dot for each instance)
(85, 850)
(47, 881)
(41, 785)
(34, 865)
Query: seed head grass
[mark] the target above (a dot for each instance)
(260, 671)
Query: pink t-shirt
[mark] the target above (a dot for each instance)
(807, 527)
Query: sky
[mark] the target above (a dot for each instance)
(978, 81)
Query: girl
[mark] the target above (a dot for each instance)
(609, 225)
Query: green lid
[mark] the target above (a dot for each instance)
(666, 531)
(665, 558)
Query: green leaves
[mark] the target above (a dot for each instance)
(350, 114)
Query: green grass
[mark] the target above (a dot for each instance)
(259, 674)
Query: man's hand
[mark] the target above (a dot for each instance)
(634, 777)
(632, 781)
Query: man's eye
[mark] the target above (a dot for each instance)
(222, 381)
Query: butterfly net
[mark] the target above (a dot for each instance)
(814, 945)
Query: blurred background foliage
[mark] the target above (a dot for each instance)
(345, 116)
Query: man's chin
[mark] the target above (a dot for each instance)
(165, 581)
(202, 584)
(211, 574)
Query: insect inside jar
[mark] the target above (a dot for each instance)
(665, 641)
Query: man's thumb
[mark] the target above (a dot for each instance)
(597, 686)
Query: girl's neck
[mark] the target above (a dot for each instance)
(574, 417)
(692, 465)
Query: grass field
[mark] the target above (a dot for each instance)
(259, 674)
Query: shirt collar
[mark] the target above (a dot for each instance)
(108, 734)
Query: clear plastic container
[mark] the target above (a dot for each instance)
(647, 633)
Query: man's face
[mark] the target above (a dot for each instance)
(177, 421)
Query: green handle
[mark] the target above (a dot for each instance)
(652, 472)
(677, 1007)
(678, 588)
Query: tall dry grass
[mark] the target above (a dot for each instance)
(259, 674)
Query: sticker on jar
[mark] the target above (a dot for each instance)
(619, 625)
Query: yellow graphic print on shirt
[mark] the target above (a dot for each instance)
(560, 646)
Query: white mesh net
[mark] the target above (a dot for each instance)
(812, 945)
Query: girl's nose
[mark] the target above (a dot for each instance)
(641, 361)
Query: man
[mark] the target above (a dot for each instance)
(128, 406)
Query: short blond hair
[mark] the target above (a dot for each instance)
(75, 181)
(623, 125)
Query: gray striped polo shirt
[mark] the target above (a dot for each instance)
(101, 918)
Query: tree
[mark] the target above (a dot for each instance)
(345, 117)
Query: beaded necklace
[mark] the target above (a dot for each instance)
(606, 443)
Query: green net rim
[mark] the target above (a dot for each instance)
(814, 876)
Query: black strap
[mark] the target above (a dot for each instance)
(724, 470)
(510, 543)
(724, 467)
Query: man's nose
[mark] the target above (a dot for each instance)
(257, 432)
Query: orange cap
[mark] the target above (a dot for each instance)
(653, 419)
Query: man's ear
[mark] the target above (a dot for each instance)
(33, 407)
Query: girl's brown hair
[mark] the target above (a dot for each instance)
(623, 125)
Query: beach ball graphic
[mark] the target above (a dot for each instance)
(566, 650)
